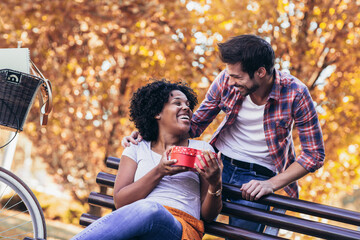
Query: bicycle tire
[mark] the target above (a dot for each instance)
(29, 200)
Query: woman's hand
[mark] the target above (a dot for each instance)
(211, 185)
(166, 167)
(212, 172)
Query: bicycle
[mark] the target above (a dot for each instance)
(21, 216)
(16, 194)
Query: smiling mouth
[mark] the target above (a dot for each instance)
(241, 87)
(184, 117)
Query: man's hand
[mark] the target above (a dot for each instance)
(134, 138)
(255, 189)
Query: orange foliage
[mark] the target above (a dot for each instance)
(98, 52)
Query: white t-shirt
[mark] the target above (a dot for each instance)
(181, 191)
(247, 134)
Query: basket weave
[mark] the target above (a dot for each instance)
(17, 93)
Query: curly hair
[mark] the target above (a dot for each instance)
(148, 101)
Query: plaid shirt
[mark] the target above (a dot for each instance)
(289, 102)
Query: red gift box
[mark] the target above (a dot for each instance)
(186, 156)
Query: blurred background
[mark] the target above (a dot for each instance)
(97, 53)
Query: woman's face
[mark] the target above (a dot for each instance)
(176, 115)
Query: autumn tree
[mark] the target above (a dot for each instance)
(98, 52)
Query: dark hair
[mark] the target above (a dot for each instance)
(148, 101)
(251, 51)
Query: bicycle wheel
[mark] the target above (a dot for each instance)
(20, 213)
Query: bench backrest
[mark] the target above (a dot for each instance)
(273, 219)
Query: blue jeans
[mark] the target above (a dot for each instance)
(238, 176)
(140, 220)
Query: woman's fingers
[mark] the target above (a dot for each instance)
(201, 161)
(207, 165)
(221, 164)
(211, 160)
(212, 170)
(170, 168)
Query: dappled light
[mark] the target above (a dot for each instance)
(97, 53)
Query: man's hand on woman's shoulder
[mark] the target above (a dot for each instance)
(134, 138)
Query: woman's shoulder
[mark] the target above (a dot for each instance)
(134, 148)
(200, 145)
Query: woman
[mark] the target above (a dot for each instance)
(154, 198)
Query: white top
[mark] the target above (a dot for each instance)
(247, 134)
(181, 191)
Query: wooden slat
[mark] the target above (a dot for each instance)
(105, 179)
(101, 200)
(301, 206)
(112, 162)
(227, 231)
(87, 219)
(291, 223)
(265, 217)
(269, 218)
(283, 202)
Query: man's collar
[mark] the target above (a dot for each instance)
(275, 91)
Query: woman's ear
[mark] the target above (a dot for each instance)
(157, 117)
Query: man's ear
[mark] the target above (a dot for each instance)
(157, 117)
(261, 72)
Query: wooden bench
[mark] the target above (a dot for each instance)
(274, 219)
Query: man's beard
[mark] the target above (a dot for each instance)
(249, 91)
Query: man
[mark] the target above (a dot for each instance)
(261, 105)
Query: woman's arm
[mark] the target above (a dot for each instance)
(127, 191)
(211, 186)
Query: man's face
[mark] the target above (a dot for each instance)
(242, 80)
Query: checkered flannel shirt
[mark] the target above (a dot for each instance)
(288, 103)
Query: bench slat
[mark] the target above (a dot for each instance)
(101, 200)
(291, 223)
(302, 206)
(87, 219)
(292, 204)
(227, 231)
(112, 162)
(213, 228)
(269, 218)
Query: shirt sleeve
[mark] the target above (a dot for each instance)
(207, 146)
(307, 122)
(131, 152)
(209, 108)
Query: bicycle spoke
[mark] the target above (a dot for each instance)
(3, 219)
(17, 235)
(19, 200)
(15, 226)
(8, 201)
(8, 238)
(6, 186)
(11, 206)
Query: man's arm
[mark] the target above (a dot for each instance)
(310, 159)
(209, 108)
(311, 139)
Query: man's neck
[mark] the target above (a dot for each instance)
(260, 96)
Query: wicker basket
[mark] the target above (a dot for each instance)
(17, 93)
